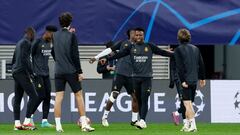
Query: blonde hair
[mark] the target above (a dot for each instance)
(184, 36)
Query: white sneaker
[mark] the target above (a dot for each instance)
(87, 128)
(105, 122)
(59, 128)
(141, 124)
(191, 129)
(185, 127)
(31, 121)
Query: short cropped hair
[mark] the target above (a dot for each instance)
(29, 30)
(140, 29)
(128, 32)
(51, 28)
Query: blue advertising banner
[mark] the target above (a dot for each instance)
(98, 21)
(162, 102)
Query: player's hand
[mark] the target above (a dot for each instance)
(92, 60)
(72, 30)
(202, 83)
(80, 77)
(113, 68)
(103, 61)
(170, 50)
(109, 68)
(184, 85)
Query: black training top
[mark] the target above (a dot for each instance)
(66, 55)
(124, 65)
(21, 57)
(41, 50)
(141, 57)
(189, 63)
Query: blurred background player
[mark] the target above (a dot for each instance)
(107, 69)
(190, 68)
(140, 54)
(123, 78)
(68, 69)
(41, 50)
(22, 75)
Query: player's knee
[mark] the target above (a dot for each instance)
(59, 96)
(113, 96)
(78, 94)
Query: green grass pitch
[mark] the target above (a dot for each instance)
(126, 129)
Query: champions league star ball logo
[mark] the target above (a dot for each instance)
(198, 102)
(237, 102)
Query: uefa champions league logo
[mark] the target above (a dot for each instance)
(188, 24)
(237, 102)
(198, 102)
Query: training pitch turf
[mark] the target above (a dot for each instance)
(126, 129)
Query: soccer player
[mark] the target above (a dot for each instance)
(174, 79)
(22, 75)
(67, 69)
(140, 55)
(123, 78)
(190, 68)
(107, 69)
(41, 50)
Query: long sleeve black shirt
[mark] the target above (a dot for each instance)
(41, 50)
(21, 58)
(141, 57)
(65, 52)
(124, 65)
(189, 63)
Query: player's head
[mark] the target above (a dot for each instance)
(184, 36)
(49, 32)
(131, 34)
(65, 19)
(139, 35)
(30, 33)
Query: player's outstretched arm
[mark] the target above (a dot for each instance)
(100, 55)
(120, 54)
(159, 51)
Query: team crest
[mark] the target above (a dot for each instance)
(126, 45)
(42, 46)
(134, 50)
(115, 87)
(146, 49)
